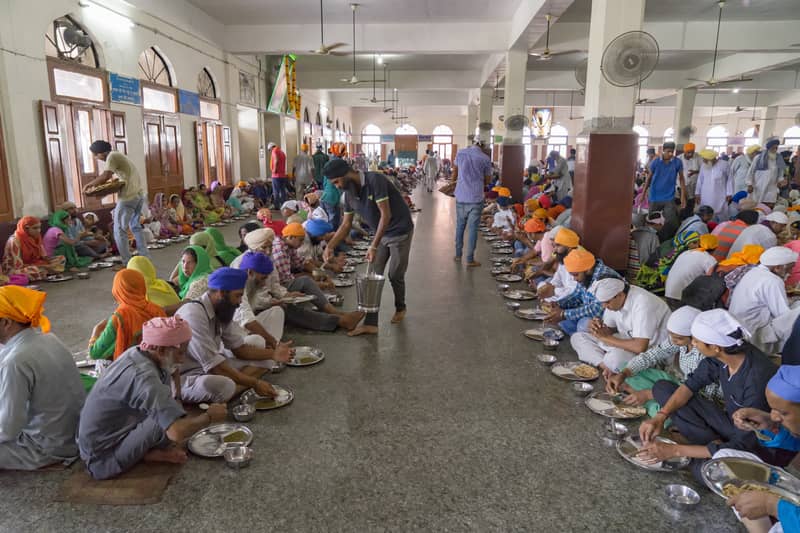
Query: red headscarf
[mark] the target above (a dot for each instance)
(31, 249)
(130, 291)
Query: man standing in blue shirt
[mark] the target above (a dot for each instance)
(472, 171)
(659, 188)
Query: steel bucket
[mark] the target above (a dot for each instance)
(368, 291)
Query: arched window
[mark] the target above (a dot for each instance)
(526, 142)
(443, 141)
(751, 136)
(669, 135)
(371, 140)
(558, 140)
(406, 129)
(65, 39)
(644, 138)
(153, 67)
(791, 137)
(205, 84)
(717, 139)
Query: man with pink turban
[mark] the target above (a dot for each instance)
(132, 415)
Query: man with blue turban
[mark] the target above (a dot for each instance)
(766, 174)
(211, 373)
(266, 323)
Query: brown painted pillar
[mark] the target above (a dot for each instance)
(512, 164)
(603, 199)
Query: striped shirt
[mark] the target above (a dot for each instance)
(581, 303)
(727, 237)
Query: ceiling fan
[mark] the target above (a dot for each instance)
(712, 81)
(639, 99)
(547, 54)
(326, 49)
(374, 99)
(353, 80)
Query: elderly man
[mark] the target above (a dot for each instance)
(633, 320)
(691, 169)
(559, 175)
(765, 176)
(208, 374)
(576, 310)
(277, 167)
(131, 416)
(130, 199)
(562, 284)
(472, 171)
(659, 187)
(740, 167)
(303, 171)
(266, 323)
(760, 298)
(714, 185)
(382, 207)
(764, 234)
(431, 168)
(40, 386)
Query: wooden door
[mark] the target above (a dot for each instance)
(227, 156)
(118, 131)
(171, 145)
(56, 152)
(6, 207)
(162, 148)
(202, 160)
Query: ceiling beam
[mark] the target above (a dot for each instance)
(401, 79)
(742, 64)
(457, 98)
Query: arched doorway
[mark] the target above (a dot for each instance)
(406, 146)
(443, 141)
(213, 138)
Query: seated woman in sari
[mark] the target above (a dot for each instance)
(158, 211)
(193, 272)
(239, 193)
(218, 202)
(57, 243)
(209, 213)
(112, 337)
(159, 291)
(225, 252)
(24, 253)
(179, 217)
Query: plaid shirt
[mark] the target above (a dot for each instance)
(581, 303)
(285, 260)
(662, 355)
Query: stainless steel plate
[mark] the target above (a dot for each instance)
(164, 241)
(605, 404)
(352, 261)
(567, 371)
(58, 277)
(630, 446)
(502, 259)
(114, 259)
(491, 238)
(537, 334)
(530, 314)
(500, 244)
(504, 251)
(210, 442)
(343, 282)
(501, 270)
(508, 278)
(737, 471)
(298, 299)
(306, 356)
(354, 253)
(284, 398)
(348, 269)
(155, 246)
(519, 295)
(102, 264)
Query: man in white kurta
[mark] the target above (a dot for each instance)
(760, 297)
(562, 284)
(765, 176)
(633, 320)
(741, 167)
(763, 234)
(714, 187)
(689, 266)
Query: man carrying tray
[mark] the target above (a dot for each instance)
(130, 200)
(383, 208)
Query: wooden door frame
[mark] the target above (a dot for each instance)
(5, 186)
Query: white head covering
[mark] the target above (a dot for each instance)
(777, 256)
(680, 321)
(714, 327)
(290, 204)
(607, 288)
(270, 146)
(778, 217)
(553, 232)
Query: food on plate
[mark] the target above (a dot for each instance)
(585, 371)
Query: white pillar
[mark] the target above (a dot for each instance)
(485, 115)
(472, 122)
(684, 109)
(768, 124)
(607, 107)
(514, 102)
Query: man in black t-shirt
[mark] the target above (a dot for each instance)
(382, 207)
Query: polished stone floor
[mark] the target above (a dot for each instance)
(443, 423)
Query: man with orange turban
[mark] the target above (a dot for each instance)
(689, 266)
(303, 172)
(575, 311)
(40, 386)
(562, 284)
(691, 171)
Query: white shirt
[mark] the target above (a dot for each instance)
(715, 186)
(739, 169)
(759, 297)
(687, 267)
(691, 181)
(563, 283)
(755, 234)
(126, 171)
(505, 219)
(643, 316)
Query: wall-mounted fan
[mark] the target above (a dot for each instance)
(629, 59)
(326, 49)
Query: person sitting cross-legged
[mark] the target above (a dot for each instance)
(131, 415)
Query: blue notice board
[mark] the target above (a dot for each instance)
(124, 90)
(189, 102)
(387, 138)
(425, 138)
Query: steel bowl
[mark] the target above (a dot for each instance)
(237, 455)
(512, 306)
(615, 430)
(82, 275)
(546, 359)
(681, 497)
(277, 368)
(244, 412)
(582, 389)
(502, 287)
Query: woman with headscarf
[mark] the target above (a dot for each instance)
(111, 337)
(239, 193)
(766, 174)
(24, 253)
(56, 242)
(264, 215)
(218, 203)
(224, 252)
(193, 272)
(159, 212)
(159, 291)
(208, 212)
(178, 216)
(243, 231)
(205, 241)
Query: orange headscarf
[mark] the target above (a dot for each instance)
(31, 249)
(519, 209)
(130, 292)
(24, 305)
(556, 210)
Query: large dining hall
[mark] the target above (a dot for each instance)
(333, 266)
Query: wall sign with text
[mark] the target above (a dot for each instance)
(124, 90)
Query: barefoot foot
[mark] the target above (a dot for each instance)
(398, 316)
(349, 321)
(166, 455)
(364, 330)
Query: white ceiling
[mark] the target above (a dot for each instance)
(371, 11)
(394, 62)
(684, 10)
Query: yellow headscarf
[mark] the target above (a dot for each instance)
(708, 242)
(749, 255)
(159, 291)
(24, 306)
